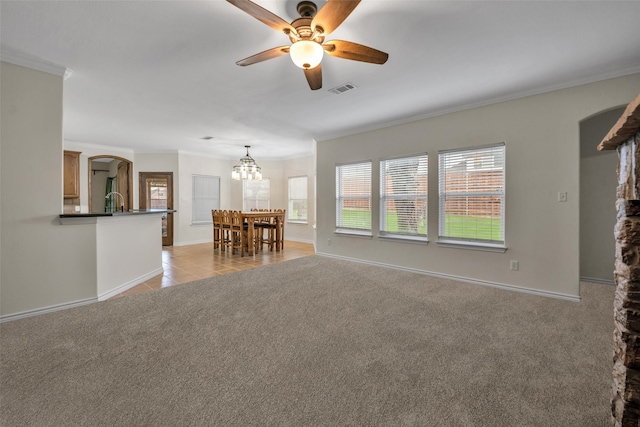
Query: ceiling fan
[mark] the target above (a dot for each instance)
(307, 35)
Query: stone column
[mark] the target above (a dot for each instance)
(625, 399)
(625, 392)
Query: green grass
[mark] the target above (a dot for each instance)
(392, 224)
(472, 227)
(355, 218)
(456, 226)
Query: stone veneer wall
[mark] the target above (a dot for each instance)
(625, 399)
(625, 393)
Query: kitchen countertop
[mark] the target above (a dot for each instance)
(118, 213)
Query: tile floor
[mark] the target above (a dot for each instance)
(184, 264)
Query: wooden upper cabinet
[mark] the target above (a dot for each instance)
(71, 174)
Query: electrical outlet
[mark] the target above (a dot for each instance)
(76, 208)
(562, 196)
(515, 265)
(329, 242)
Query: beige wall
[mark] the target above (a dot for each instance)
(156, 162)
(129, 251)
(190, 164)
(43, 263)
(304, 166)
(541, 134)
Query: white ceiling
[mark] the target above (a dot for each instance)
(157, 75)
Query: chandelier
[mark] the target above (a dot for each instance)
(247, 168)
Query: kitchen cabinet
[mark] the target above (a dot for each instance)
(71, 174)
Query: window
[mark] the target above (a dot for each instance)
(471, 183)
(297, 207)
(205, 197)
(256, 194)
(157, 193)
(353, 197)
(403, 196)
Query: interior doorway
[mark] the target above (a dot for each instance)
(598, 183)
(156, 192)
(116, 170)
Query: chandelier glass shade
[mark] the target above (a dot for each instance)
(247, 168)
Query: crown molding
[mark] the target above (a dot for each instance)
(24, 60)
(71, 144)
(516, 95)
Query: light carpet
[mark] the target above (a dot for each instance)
(310, 342)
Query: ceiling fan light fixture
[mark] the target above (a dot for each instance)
(307, 35)
(306, 54)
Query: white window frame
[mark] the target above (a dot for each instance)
(291, 212)
(418, 196)
(257, 202)
(205, 196)
(363, 169)
(468, 161)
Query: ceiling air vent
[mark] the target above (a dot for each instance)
(342, 89)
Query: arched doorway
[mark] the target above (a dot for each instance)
(103, 168)
(597, 198)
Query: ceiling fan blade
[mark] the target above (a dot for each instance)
(314, 77)
(263, 15)
(355, 52)
(331, 15)
(263, 56)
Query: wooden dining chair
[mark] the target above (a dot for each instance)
(264, 225)
(238, 233)
(280, 234)
(225, 231)
(217, 228)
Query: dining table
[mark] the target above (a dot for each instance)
(250, 218)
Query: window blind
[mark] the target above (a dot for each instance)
(205, 197)
(471, 194)
(297, 207)
(256, 194)
(157, 197)
(353, 196)
(403, 195)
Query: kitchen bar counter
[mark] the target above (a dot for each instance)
(88, 218)
(126, 247)
(116, 213)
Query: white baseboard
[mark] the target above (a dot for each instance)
(198, 242)
(538, 292)
(120, 289)
(64, 306)
(193, 242)
(50, 309)
(293, 239)
(596, 280)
